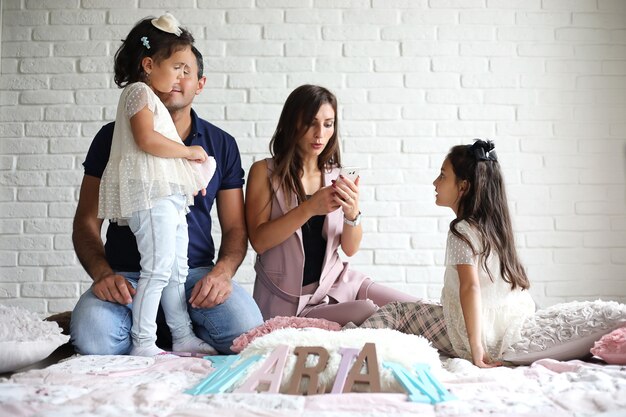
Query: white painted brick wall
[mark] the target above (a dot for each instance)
(545, 79)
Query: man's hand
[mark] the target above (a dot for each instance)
(211, 290)
(107, 285)
(114, 288)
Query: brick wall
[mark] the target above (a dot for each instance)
(545, 78)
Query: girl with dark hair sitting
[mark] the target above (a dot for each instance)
(485, 296)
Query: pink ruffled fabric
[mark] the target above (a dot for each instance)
(281, 322)
(612, 347)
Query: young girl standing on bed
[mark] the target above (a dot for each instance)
(150, 179)
(485, 294)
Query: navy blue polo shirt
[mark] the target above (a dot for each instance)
(121, 246)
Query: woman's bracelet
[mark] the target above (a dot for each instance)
(353, 223)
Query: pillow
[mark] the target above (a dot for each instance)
(565, 331)
(281, 322)
(612, 347)
(391, 346)
(26, 339)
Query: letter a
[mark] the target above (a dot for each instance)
(270, 373)
(367, 358)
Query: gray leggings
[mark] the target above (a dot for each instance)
(370, 297)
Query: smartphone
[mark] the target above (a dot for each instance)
(350, 172)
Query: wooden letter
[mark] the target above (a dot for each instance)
(347, 356)
(367, 358)
(270, 373)
(422, 387)
(226, 373)
(300, 369)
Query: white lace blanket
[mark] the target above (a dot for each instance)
(130, 386)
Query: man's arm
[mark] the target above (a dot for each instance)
(216, 286)
(234, 243)
(89, 248)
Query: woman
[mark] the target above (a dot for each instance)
(299, 211)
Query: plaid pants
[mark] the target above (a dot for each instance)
(420, 318)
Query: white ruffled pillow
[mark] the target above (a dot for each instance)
(565, 331)
(391, 346)
(25, 338)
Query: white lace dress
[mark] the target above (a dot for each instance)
(503, 310)
(134, 180)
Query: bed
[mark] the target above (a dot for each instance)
(67, 384)
(133, 386)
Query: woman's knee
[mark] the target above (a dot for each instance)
(362, 311)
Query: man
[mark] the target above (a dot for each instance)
(219, 308)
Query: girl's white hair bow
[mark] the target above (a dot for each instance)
(167, 23)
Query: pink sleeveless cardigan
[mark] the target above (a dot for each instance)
(279, 271)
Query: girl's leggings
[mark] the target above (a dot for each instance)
(422, 318)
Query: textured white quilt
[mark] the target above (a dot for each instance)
(131, 386)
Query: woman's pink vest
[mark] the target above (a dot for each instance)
(279, 271)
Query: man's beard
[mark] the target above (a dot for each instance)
(170, 104)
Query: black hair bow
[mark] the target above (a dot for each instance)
(483, 150)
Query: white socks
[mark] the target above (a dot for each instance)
(193, 344)
(189, 344)
(151, 350)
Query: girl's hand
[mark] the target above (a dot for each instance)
(202, 191)
(323, 201)
(196, 153)
(482, 360)
(347, 196)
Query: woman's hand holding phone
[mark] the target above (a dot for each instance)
(323, 201)
(352, 173)
(347, 191)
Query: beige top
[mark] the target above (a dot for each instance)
(503, 309)
(134, 180)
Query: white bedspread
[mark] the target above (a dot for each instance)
(131, 386)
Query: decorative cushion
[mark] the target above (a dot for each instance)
(612, 347)
(26, 339)
(565, 331)
(281, 322)
(391, 346)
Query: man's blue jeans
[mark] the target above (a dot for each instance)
(103, 328)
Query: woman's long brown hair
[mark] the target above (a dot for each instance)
(299, 110)
(484, 205)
